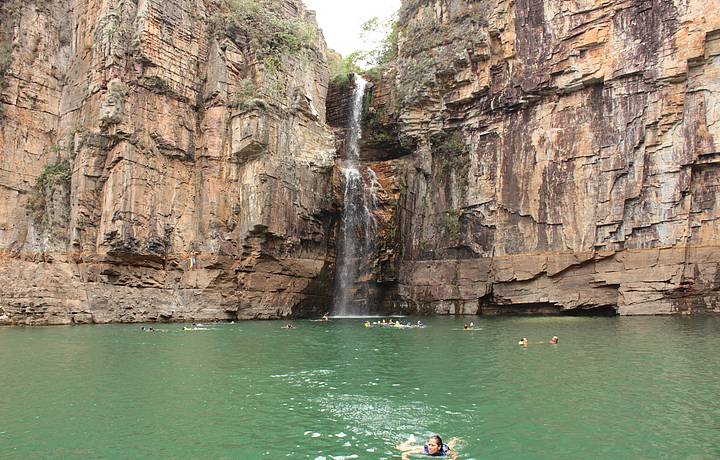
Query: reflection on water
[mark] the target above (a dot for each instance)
(612, 388)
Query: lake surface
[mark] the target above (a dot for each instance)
(612, 388)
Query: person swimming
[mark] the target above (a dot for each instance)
(554, 340)
(465, 326)
(288, 326)
(523, 342)
(434, 447)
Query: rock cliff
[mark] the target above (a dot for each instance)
(171, 160)
(163, 160)
(566, 155)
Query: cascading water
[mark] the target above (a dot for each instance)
(358, 229)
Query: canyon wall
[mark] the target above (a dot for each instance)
(171, 161)
(565, 156)
(163, 160)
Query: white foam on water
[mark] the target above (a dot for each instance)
(379, 417)
(366, 316)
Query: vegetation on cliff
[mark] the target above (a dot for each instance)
(433, 46)
(262, 27)
(52, 187)
(341, 68)
(277, 39)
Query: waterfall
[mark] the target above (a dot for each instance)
(358, 230)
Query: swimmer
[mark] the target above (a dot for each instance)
(554, 340)
(367, 324)
(523, 342)
(434, 447)
(472, 325)
(325, 317)
(288, 326)
(465, 326)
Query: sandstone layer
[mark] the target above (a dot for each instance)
(565, 156)
(163, 160)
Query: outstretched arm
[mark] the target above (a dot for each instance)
(406, 445)
(413, 450)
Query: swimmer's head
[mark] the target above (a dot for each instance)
(434, 444)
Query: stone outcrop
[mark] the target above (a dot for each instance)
(566, 156)
(163, 160)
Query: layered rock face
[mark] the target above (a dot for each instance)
(163, 160)
(171, 160)
(566, 156)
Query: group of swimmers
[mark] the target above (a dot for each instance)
(395, 324)
(323, 319)
(195, 327)
(524, 341)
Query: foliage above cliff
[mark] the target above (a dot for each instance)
(264, 28)
(342, 68)
(381, 37)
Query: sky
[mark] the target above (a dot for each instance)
(340, 20)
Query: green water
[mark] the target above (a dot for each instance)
(612, 388)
